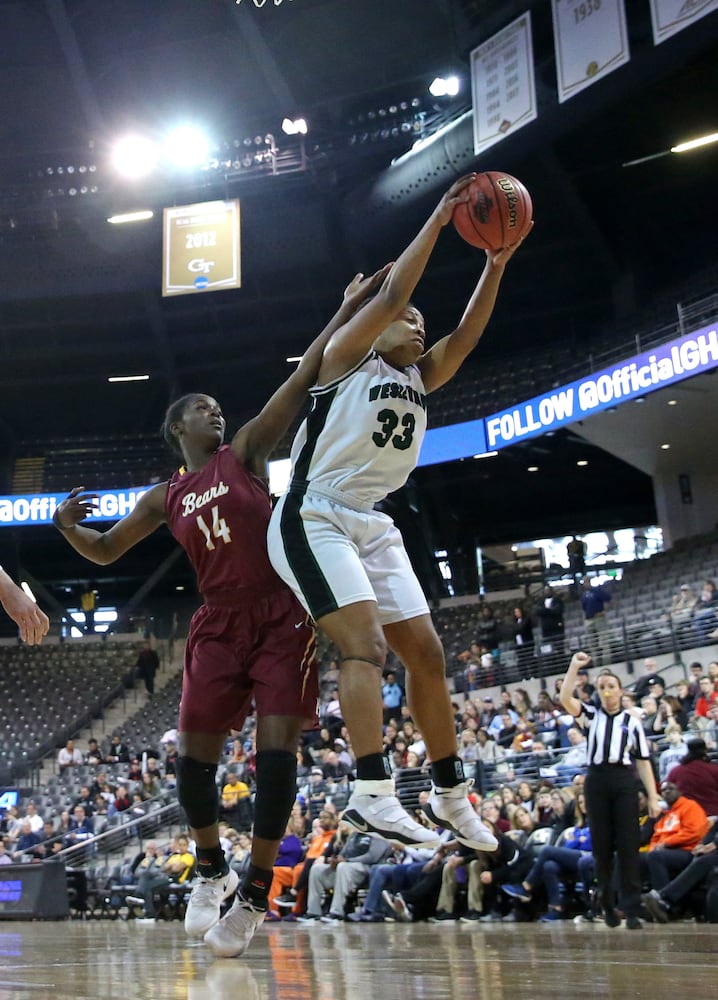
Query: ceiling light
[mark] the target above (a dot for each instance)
(704, 140)
(26, 587)
(582, 462)
(134, 156)
(487, 454)
(444, 86)
(672, 402)
(186, 146)
(128, 378)
(291, 361)
(117, 220)
(533, 468)
(296, 126)
(665, 447)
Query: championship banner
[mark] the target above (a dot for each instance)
(503, 88)
(590, 39)
(671, 16)
(200, 248)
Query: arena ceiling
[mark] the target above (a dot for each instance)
(613, 245)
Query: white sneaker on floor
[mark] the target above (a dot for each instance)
(374, 808)
(450, 809)
(232, 935)
(205, 902)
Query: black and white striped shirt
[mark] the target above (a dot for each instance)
(613, 739)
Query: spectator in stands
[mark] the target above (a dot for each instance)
(686, 700)
(64, 823)
(708, 696)
(316, 791)
(5, 858)
(34, 818)
(241, 854)
(522, 704)
(522, 824)
(81, 827)
(650, 719)
(488, 750)
(675, 835)
(487, 630)
(695, 672)
(584, 691)
(697, 777)
(576, 552)
(177, 868)
(488, 712)
(293, 898)
(235, 805)
(650, 671)
(122, 801)
(11, 823)
(704, 621)
(32, 623)
(507, 732)
(93, 756)
(594, 601)
(88, 603)
(26, 842)
(86, 799)
(491, 813)
(629, 704)
(666, 903)
(150, 787)
(289, 856)
(69, 756)
(523, 630)
(332, 715)
(147, 665)
(674, 752)
(51, 843)
(574, 759)
(681, 609)
(343, 867)
(119, 752)
(392, 695)
(550, 611)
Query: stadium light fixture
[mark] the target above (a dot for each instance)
(118, 220)
(134, 156)
(296, 126)
(186, 147)
(128, 378)
(444, 86)
(704, 140)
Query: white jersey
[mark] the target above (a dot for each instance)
(363, 435)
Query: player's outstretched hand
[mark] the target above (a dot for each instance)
(498, 258)
(456, 195)
(75, 508)
(360, 288)
(32, 622)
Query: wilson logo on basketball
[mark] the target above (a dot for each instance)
(511, 200)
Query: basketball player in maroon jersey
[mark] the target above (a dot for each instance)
(251, 639)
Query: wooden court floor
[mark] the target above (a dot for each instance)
(94, 960)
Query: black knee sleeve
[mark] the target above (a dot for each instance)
(276, 777)
(197, 791)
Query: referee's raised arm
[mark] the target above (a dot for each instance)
(566, 696)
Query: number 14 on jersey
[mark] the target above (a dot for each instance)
(219, 529)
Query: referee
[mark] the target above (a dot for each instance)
(615, 741)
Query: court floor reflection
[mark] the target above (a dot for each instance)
(104, 959)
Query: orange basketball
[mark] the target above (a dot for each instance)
(498, 212)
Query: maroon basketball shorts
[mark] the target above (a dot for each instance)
(255, 654)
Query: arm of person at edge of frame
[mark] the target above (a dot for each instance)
(444, 359)
(31, 621)
(354, 340)
(103, 547)
(254, 441)
(566, 696)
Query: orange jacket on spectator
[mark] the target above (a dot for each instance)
(684, 825)
(318, 843)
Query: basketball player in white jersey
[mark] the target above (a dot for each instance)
(346, 562)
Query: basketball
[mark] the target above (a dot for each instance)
(497, 214)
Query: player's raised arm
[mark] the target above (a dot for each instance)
(103, 547)
(255, 440)
(31, 621)
(350, 344)
(444, 359)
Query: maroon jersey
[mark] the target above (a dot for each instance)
(219, 515)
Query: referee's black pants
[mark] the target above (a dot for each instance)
(612, 804)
